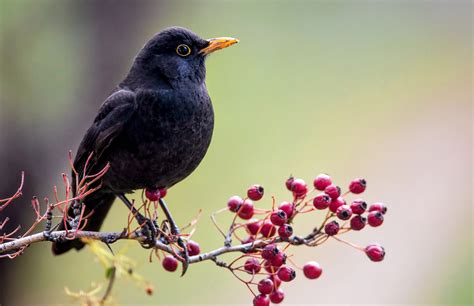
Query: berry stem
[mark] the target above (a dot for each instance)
(349, 243)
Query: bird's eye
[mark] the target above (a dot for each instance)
(183, 50)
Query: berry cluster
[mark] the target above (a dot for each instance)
(271, 261)
(267, 235)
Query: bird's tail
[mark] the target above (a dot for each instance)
(100, 203)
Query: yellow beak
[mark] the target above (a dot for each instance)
(218, 43)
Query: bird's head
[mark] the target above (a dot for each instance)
(175, 56)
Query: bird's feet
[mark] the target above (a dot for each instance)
(149, 230)
(176, 233)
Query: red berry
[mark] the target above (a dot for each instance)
(322, 181)
(358, 206)
(152, 195)
(255, 192)
(279, 260)
(344, 212)
(357, 186)
(234, 203)
(285, 231)
(288, 208)
(163, 192)
(253, 227)
(261, 300)
(336, 203)
(268, 229)
(375, 252)
(193, 248)
(265, 286)
(269, 267)
(270, 251)
(277, 296)
(333, 191)
(246, 211)
(276, 281)
(378, 207)
(289, 182)
(299, 188)
(358, 222)
(375, 218)
(252, 266)
(170, 263)
(278, 217)
(286, 274)
(312, 270)
(332, 228)
(321, 201)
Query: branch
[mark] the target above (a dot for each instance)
(112, 237)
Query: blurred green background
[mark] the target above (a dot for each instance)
(378, 89)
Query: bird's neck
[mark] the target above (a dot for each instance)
(139, 78)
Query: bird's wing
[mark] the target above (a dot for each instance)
(113, 115)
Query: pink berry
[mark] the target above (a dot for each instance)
(285, 231)
(170, 263)
(375, 252)
(277, 296)
(336, 203)
(321, 201)
(288, 208)
(286, 274)
(322, 181)
(299, 188)
(255, 192)
(268, 229)
(163, 192)
(270, 251)
(358, 222)
(278, 217)
(333, 191)
(152, 195)
(331, 228)
(261, 300)
(265, 286)
(234, 203)
(252, 266)
(278, 260)
(246, 211)
(312, 270)
(375, 218)
(378, 207)
(253, 227)
(289, 182)
(344, 212)
(193, 248)
(357, 186)
(358, 206)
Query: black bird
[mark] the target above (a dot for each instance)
(154, 129)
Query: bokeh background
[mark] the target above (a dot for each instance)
(378, 89)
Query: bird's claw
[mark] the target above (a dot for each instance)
(149, 230)
(185, 255)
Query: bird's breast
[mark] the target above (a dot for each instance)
(166, 139)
